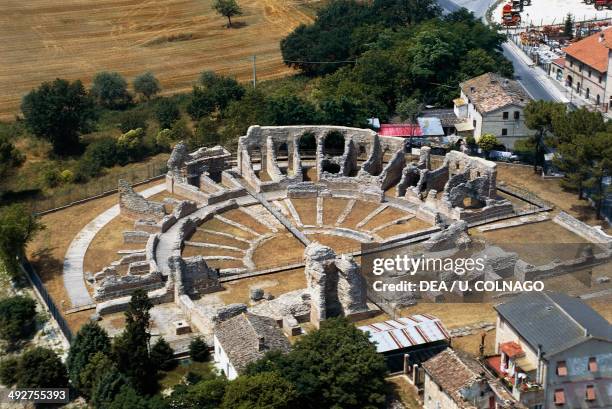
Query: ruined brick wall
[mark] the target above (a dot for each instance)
(134, 206)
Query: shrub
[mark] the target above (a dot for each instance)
(130, 146)
(147, 85)
(51, 177)
(181, 131)
(8, 371)
(488, 142)
(198, 350)
(167, 113)
(41, 368)
(132, 119)
(17, 318)
(67, 176)
(164, 139)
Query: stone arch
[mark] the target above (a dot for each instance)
(307, 143)
(333, 143)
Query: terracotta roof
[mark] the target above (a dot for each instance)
(452, 372)
(240, 338)
(559, 61)
(591, 51)
(490, 92)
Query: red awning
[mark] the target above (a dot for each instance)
(400, 130)
(512, 349)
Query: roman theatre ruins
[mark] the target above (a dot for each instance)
(292, 197)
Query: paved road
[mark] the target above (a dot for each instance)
(526, 75)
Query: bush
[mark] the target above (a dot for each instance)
(488, 142)
(8, 371)
(17, 318)
(41, 368)
(198, 350)
(110, 90)
(98, 155)
(130, 146)
(163, 139)
(167, 113)
(132, 119)
(67, 176)
(181, 131)
(51, 177)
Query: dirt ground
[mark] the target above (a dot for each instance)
(537, 243)
(404, 391)
(174, 39)
(276, 284)
(332, 208)
(413, 224)
(387, 215)
(307, 209)
(550, 190)
(360, 210)
(281, 249)
(241, 217)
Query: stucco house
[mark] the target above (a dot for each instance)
(243, 339)
(555, 351)
(453, 380)
(493, 104)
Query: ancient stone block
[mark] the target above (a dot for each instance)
(136, 207)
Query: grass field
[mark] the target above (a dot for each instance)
(174, 39)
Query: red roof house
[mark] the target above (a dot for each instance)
(400, 130)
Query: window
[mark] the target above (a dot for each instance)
(600, 78)
(504, 132)
(571, 63)
(592, 364)
(559, 397)
(589, 73)
(517, 115)
(590, 393)
(474, 123)
(561, 368)
(505, 114)
(539, 406)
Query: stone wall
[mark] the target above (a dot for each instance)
(582, 229)
(136, 207)
(193, 276)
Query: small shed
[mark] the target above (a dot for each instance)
(420, 336)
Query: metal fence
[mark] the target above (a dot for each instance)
(30, 272)
(102, 186)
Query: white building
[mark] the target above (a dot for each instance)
(492, 104)
(243, 339)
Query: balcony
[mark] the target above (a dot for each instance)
(525, 390)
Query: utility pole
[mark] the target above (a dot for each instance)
(254, 72)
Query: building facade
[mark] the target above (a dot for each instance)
(555, 351)
(491, 104)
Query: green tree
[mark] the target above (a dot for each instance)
(162, 355)
(267, 390)
(90, 339)
(10, 157)
(410, 109)
(59, 111)
(128, 398)
(17, 318)
(99, 364)
(214, 92)
(41, 368)
(541, 117)
(130, 350)
(292, 110)
(107, 388)
(568, 26)
(17, 228)
(227, 8)
(132, 119)
(205, 394)
(110, 90)
(198, 350)
(206, 133)
(8, 371)
(335, 366)
(240, 114)
(167, 113)
(146, 85)
(406, 12)
(488, 142)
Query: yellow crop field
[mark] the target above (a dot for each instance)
(41, 40)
